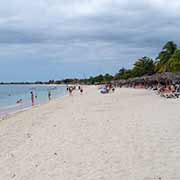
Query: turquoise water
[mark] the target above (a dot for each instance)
(10, 94)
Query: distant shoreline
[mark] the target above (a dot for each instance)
(29, 84)
(34, 84)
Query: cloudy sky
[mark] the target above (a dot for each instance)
(55, 39)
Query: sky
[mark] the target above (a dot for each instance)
(56, 39)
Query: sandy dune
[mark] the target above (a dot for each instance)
(128, 135)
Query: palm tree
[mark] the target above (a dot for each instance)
(164, 56)
(143, 66)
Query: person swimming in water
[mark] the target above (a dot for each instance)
(19, 101)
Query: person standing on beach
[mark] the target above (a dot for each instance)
(32, 98)
(70, 91)
(81, 90)
(49, 95)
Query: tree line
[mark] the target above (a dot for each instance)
(168, 60)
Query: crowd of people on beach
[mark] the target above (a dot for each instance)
(72, 89)
(107, 88)
(170, 90)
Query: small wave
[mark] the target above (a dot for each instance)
(11, 106)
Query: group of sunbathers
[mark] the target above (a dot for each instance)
(170, 91)
(107, 89)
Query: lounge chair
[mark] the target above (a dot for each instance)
(168, 95)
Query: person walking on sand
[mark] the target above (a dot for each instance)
(32, 98)
(81, 90)
(70, 91)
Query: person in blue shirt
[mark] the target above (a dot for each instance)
(178, 88)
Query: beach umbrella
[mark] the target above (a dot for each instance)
(166, 76)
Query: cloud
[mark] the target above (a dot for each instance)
(109, 32)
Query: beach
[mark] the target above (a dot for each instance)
(131, 134)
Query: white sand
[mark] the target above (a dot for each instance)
(128, 135)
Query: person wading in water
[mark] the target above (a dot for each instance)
(32, 98)
(49, 95)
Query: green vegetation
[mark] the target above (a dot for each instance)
(168, 60)
(174, 62)
(162, 64)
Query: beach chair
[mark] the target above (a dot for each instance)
(169, 95)
(177, 94)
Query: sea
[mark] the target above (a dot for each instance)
(11, 94)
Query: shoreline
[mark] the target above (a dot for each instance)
(10, 109)
(14, 112)
(33, 84)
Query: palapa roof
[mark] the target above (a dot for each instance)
(158, 77)
(166, 76)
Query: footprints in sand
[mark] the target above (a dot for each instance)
(55, 154)
(28, 135)
(13, 176)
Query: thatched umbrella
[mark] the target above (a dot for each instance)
(166, 77)
(118, 82)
